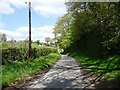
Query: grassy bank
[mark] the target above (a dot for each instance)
(18, 70)
(108, 67)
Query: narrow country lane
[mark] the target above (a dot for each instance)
(66, 73)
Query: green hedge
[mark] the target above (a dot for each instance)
(13, 54)
(12, 72)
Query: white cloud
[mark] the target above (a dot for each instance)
(17, 3)
(21, 33)
(5, 8)
(50, 9)
(47, 1)
(43, 7)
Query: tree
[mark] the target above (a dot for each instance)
(47, 40)
(3, 37)
(90, 27)
(60, 31)
(38, 42)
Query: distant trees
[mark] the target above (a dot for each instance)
(37, 42)
(47, 40)
(3, 37)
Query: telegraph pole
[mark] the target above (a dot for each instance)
(30, 53)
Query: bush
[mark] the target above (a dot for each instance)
(12, 54)
(42, 51)
(4, 44)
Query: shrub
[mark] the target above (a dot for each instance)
(12, 54)
(4, 44)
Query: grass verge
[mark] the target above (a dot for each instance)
(109, 66)
(18, 70)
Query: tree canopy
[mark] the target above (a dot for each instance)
(90, 27)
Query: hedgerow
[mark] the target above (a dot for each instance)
(13, 72)
(20, 54)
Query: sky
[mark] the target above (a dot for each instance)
(14, 18)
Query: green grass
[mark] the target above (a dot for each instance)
(13, 44)
(99, 65)
(18, 70)
(35, 45)
(21, 44)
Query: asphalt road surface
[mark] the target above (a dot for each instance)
(66, 73)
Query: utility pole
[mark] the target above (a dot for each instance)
(30, 51)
